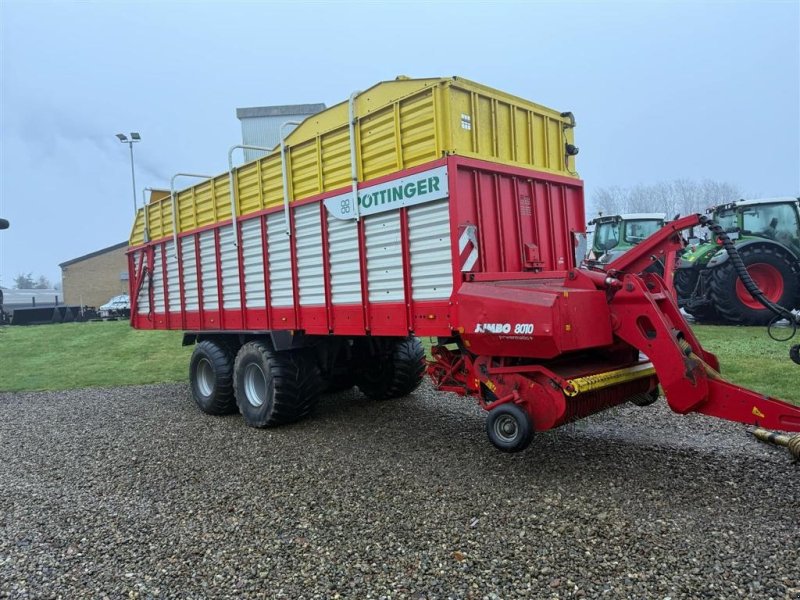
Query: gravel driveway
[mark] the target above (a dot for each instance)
(133, 493)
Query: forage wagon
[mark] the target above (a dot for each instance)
(419, 208)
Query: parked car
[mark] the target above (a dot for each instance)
(118, 306)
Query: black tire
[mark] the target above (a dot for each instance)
(794, 353)
(657, 267)
(274, 388)
(685, 282)
(509, 428)
(723, 286)
(394, 374)
(645, 398)
(703, 314)
(211, 378)
(231, 342)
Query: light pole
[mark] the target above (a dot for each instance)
(135, 137)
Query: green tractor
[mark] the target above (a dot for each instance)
(767, 234)
(614, 235)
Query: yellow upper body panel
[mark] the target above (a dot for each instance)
(399, 124)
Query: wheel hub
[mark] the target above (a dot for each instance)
(255, 385)
(506, 428)
(206, 379)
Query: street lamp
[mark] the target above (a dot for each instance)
(135, 137)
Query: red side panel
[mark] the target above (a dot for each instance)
(536, 318)
(524, 219)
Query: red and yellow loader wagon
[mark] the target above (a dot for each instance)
(430, 207)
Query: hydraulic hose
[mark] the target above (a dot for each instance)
(750, 285)
(791, 443)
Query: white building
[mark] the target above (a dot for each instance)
(261, 124)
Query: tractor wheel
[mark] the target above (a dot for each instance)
(703, 314)
(794, 354)
(211, 378)
(685, 282)
(645, 398)
(396, 374)
(773, 271)
(509, 428)
(274, 388)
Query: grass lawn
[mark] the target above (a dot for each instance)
(92, 354)
(74, 355)
(748, 357)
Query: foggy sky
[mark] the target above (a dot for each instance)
(659, 90)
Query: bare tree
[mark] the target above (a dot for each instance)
(43, 283)
(611, 200)
(680, 196)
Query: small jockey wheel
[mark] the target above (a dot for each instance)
(509, 428)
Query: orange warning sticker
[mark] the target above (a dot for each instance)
(758, 413)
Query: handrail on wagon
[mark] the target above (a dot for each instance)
(285, 176)
(353, 163)
(146, 234)
(175, 202)
(231, 170)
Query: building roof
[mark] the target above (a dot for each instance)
(93, 254)
(279, 111)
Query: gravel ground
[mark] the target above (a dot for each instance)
(132, 492)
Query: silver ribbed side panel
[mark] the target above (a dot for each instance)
(189, 273)
(158, 281)
(429, 246)
(173, 285)
(229, 268)
(343, 256)
(308, 245)
(280, 262)
(208, 270)
(253, 264)
(384, 257)
(143, 301)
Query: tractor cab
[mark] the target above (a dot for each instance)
(771, 218)
(616, 234)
